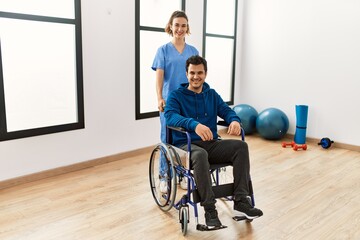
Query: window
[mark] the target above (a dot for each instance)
(219, 45)
(41, 86)
(219, 23)
(151, 18)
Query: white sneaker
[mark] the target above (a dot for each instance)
(163, 186)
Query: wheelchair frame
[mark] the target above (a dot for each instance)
(166, 201)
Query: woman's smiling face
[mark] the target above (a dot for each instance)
(179, 27)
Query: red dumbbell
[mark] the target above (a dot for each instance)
(294, 146)
(299, 146)
(288, 144)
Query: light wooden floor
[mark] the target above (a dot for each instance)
(313, 194)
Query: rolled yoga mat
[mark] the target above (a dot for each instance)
(301, 123)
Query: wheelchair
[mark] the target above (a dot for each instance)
(178, 166)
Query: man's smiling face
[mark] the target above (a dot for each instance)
(196, 76)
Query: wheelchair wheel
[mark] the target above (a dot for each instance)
(184, 219)
(163, 196)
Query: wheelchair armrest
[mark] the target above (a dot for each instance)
(179, 129)
(222, 123)
(183, 130)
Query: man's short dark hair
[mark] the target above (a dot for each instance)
(196, 60)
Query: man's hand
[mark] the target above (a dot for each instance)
(234, 128)
(204, 132)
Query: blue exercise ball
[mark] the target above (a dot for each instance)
(248, 116)
(272, 124)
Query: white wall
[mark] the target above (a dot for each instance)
(303, 52)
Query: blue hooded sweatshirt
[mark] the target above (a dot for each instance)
(186, 109)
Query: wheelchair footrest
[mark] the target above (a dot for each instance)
(202, 227)
(223, 190)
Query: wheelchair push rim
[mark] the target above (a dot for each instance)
(165, 200)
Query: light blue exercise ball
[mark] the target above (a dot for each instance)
(272, 124)
(248, 116)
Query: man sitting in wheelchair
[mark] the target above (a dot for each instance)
(196, 107)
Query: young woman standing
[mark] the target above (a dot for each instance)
(169, 64)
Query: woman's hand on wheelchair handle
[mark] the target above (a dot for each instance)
(161, 105)
(204, 132)
(234, 128)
